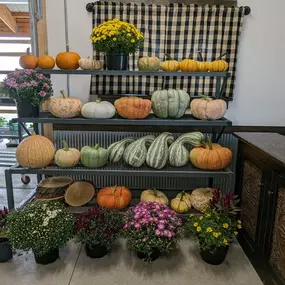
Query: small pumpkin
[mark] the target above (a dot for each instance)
(182, 203)
(88, 64)
(67, 59)
(206, 108)
(65, 106)
(149, 63)
(219, 65)
(116, 150)
(201, 198)
(211, 156)
(98, 110)
(153, 195)
(115, 197)
(170, 64)
(188, 65)
(203, 66)
(67, 157)
(133, 107)
(35, 151)
(93, 157)
(28, 60)
(45, 61)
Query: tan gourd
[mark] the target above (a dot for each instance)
(201, 198)
(154, 196)
(67, 157)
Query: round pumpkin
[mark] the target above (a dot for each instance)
(115, 197)
(182, 203)
(133, 107)
(201, 198)
(45, 61)
(169, 64)
(211, 156)
(35, 151)
(218, 66)
(154, 196)
(28, 60)
(93, 157)
(65, 107)
(206, 108)
(67, 59)
(98, 110)
(188, 65)
(67, 157)
(149, 63)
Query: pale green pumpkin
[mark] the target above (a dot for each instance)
(93, 157)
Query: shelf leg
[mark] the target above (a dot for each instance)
(20, 133)
(223, 89)
(39, 178)
(220, 134)
(25, 129)
(211, 182)
(218, 88)
(9, 187)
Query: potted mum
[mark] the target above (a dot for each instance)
(43, 227)
(117, 39)
(98, 230)
(29, 89)
(216, 228)
(5, 248)
(151, 229)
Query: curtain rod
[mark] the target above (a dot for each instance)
(89, 8)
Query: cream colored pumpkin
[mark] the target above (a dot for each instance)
(67, 157)
(86, 63)
(182, 203)
(154, 196)
(206, 108)
(98, 110)
(201, 198)
(98, 64)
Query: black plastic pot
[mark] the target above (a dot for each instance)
(5, 250)
(153, 256)
(25, 109)
(216, 257)
(96, 251)
(47, 258)
(117, 61)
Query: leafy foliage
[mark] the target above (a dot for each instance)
(3, 222)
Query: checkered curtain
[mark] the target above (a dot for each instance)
(178, 30)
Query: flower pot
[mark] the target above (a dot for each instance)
(25, 109)
(96, 251)
(117, 61)
(153, 256)
(47, 258)
(5, 250)
(215, 257)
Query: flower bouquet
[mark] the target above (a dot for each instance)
(151, 229)
(5, 248)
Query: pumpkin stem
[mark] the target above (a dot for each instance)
(34, 133)
(96, 146)
(182, 195)
(200, 57)
(154, 191)
(46, 51)
(63, 93)
(168, 57)
(65, 146)
(28, 51)
(223, 54)
(209, 142)
(114, 188)
(204, 97)
(67, 48)
(98, 101)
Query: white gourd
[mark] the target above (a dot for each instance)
(98, 110)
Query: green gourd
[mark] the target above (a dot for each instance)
(93, 157)
(117, 149)
(158, 153)
(135, 153)
(170, 103)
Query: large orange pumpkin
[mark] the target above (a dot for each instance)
(28, 60)
(211, 156)
(45, 61)
(133, 107)
(188, 65)
(115, 197)
(67, 60)
(35, 152)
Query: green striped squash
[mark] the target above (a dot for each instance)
(170, 103)
(93, 157)
(135, 153)
(117, 149)
(178, 153)
(158, 153)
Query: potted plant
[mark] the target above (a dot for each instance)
(98, 230)
(5, 248)
(41, 226)
(216, 228)
(151, 229)
(29, 89)
(117, 39)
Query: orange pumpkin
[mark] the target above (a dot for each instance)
(188, 65)
(133, 107)
(28, 60)
(211, 156)
(67, 60)
(45, 61)
(115, 197)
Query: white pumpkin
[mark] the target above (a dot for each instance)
(88, 64)
(98, 110)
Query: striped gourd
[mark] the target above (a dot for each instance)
(135, 153)
(178, 153)
(158, 153)
(116, 149)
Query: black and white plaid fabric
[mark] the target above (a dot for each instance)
(178, 30)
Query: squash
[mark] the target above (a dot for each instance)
(28, 60)
(203, 66)
(181, 204)
(169, 64)
(67, 59)
(115, 197)
(98, 110)
(136, 152)
(45, 61)
(117, 149)
(219, 65)
(67, 157)
(158, 153)
(201, 198)
(65, 107)
(149, 63)
(170, 103)
(188, 65)
(206, 108)
(93, 157)
(35, 151)
(178, 153)
(133, 107)
(211, 156)
(88, 64)
(154, 196)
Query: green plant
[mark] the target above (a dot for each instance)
(3, 222)
(41, 226)
(3, 121)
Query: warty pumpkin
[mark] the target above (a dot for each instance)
(188, 65)
(35, 151)
(98, 110)
(149, 63)
(93, 157)
(181, 204)
(201, 198)
(170, 64)
(133, 107)
(67, 59)
(45, 61)
(67, 157)
(153, 195)
(28, 60)
(116, 150)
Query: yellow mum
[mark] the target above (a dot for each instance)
(236, 233)
(215, 234)
(129, 35)
(239, 221)
(114, 39)
(225, 225)
(239, 226)
(195, 224)
(226, 242)
(133, 40)
(198, 229)
(209, 230)
(191, 215)
(201, 218)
